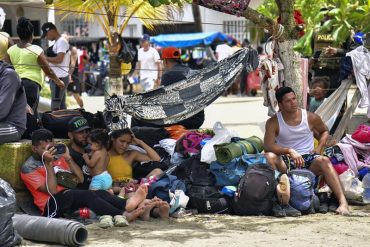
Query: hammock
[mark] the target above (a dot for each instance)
(330, 108)
(181, 100)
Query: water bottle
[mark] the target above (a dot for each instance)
(366, 186)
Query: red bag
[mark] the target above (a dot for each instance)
(362, 134)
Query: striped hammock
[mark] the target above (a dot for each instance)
(181, 100)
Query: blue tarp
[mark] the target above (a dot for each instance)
(181, 40)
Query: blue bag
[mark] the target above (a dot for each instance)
(163, 185)
(230, 173)
(302, 182)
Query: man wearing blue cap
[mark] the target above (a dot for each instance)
(148, 66)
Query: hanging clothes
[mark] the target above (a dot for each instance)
(269, 85)
(361, 67)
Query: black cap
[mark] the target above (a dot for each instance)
(46, 27)
(78, 124)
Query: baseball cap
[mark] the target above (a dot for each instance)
(145, 37)
(171, 52)
(46, 27)
(78, 124)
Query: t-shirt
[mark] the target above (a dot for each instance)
(314, 104)
(61, 46)
(78, 159)
(4, 44)
(148, 63)
(177, 73)
(33, 174)
(223, 51)
(25, 62)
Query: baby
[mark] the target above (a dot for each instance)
(318, 92)
(98, 160)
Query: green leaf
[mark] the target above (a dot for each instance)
(327, 26)
(335, 12)
(155, 3)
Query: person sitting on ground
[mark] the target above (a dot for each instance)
(13, 104)
(122, 159)
(78, 129)
(38, 174)
(319, 89)
(289, 139)
(98, 159)
(30, 63)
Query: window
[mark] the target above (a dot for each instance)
(76, 27)
(236, 29)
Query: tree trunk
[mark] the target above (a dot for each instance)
(292, 68)
(115, 85)
(197, 18)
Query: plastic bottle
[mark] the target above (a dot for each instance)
(366, 186)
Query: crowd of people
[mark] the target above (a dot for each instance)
(98, 165)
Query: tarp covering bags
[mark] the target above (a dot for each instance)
(8, 237)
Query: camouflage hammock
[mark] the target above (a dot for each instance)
(181, 100)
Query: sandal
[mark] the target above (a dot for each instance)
(283, 190)
(120, 221)
(105, 221)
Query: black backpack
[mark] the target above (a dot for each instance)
(207, 200)
(255, 191)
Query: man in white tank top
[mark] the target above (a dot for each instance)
(290, 134)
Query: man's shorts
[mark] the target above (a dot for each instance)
(308, 159)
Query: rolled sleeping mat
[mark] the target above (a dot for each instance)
(61, 231)
(226, 152)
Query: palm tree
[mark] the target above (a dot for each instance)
(113, 16)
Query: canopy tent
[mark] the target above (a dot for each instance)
(182, 40)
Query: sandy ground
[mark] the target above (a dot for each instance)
(247, 116)
(225, 230)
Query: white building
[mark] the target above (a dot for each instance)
(39, 13)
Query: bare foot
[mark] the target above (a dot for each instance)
(148, 206)
(342, 209)
(137, 198)
(162, 209)
(131, 216)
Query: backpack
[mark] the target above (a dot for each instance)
(194, 172)
(207, 200)
(255, 191)
(302, 182)
(162, 187)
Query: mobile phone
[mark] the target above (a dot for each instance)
(60, 149)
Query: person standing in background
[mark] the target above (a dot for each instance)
(223, 51)
(5, 41)
(30, 63)
(148, 66)
(58, 57)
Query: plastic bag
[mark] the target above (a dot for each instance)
(352, 186)
(8, 236)
(222, 135)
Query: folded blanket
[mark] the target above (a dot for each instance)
(228, 151)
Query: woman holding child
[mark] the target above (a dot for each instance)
(121, 162)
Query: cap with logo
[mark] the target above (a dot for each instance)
(46, 27)
(171, 53)
(78, 124)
